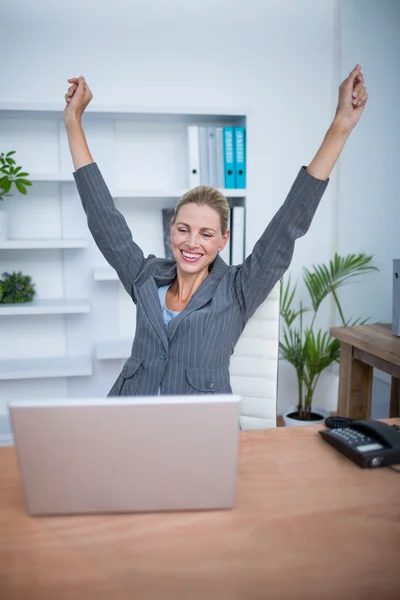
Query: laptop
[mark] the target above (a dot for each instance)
(131, 454)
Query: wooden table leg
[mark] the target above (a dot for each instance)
(355, 385)
(395, 398)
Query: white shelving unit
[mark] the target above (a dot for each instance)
(46, 307)
(169, 193)
(43, 368)
(105, 274)
(113, 349)
(42, 244)
(52, 177)
(142, 153)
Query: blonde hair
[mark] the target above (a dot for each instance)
(206, 195)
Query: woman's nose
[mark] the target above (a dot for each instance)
(192, 240)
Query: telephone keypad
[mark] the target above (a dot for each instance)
(352, 437)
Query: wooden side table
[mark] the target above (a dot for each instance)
(364, 347)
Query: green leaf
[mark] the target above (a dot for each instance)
(323, 279)
(10, 161)
(5, 185)
(292, 348)
(287, 295)
(286, 299)
(17, 170)
(10, 153)
(23, 174)
(24, 181)
(20, 187)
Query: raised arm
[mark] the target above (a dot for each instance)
(273, 252)
(352, 100)
(107, 225)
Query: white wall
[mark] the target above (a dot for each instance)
(368, 206)
(279, 59)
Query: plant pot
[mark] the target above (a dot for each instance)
(319, 414)
(3, 226)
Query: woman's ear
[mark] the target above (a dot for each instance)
(225, 239)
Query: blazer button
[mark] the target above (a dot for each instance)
(163, 355)
(209, 385)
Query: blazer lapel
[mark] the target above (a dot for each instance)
(148, 293)
(202, 296)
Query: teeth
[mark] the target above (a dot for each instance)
(191, 255)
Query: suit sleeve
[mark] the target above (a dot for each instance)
(108, 226)
(273, 252)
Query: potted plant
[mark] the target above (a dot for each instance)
(10, 175)
(16, 288)
(312, 351)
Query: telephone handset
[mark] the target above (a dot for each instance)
(367, 443)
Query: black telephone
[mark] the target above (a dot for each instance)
(367, 443)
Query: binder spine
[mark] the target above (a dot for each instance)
(204, 163)
(194, 158)
(229, 158)
(240, 157)
(212, 156)
(220, 157)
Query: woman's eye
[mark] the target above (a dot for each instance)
(181, 230)
(207, 235)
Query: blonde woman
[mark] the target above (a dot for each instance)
(191, 310)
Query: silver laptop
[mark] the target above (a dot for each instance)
(127, 454)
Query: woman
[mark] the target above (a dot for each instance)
(192, 310)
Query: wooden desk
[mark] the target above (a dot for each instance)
(362, 348)
(309, 524)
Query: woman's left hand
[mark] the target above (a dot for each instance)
(352, 99)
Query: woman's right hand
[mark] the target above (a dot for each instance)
(77, 98)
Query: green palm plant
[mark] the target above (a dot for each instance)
(309, 351)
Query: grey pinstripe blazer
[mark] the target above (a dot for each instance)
(192, 356)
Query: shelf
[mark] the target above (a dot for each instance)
(163, 129)
(171, 193)
(46, 307)
(29, 110)
(42, 368)
(55, 177)
(105, 274)
(42, 244)
(113, 349)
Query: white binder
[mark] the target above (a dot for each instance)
(225, 254)
(237, 249)
(194, 155)
(212, 156)
(204, 165)
(220, 158)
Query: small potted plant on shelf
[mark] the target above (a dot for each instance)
(311, 351)
(10, 175)
(16, 288)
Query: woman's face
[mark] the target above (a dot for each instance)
(196, 237)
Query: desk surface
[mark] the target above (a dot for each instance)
(376, 339)
(309, 524)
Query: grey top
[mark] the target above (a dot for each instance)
(167, 313)
(192, 356)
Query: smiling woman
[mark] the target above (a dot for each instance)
(192, 310)
(198, 232)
